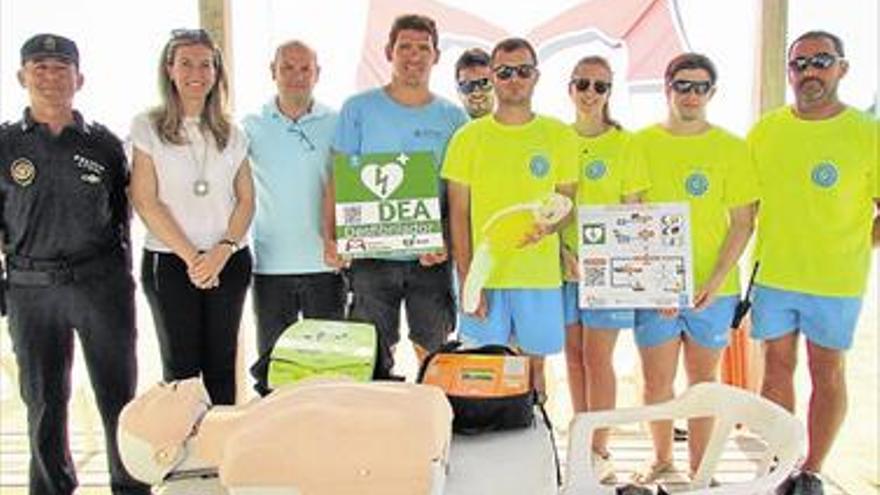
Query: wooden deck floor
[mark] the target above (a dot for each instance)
(630, 450)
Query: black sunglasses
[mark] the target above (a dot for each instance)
(819, 61)
(505, 72)
(682, 86)
(190, 34)
(468, 87)
(303, 137)
(582, 84)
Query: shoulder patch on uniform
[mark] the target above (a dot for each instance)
(22, 171)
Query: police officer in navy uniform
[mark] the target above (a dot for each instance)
(64, 219)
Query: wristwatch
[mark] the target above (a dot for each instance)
(229, 242)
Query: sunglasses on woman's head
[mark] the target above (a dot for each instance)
(682, 86)
(582, 84)
(523, 71)
(190, 34)
(819, 61)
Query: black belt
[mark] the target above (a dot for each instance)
(25, 271)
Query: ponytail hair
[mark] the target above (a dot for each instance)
(597, 60)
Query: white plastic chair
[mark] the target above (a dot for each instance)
(783, 433)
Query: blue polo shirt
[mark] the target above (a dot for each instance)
(372, 122)
(290, 160)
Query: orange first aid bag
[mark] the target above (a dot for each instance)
(488, 387)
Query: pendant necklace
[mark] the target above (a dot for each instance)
(201, 187)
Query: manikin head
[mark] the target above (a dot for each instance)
(155, 426)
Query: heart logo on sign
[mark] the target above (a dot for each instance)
(382, 180)
(593, 234)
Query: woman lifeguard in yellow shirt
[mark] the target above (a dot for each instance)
(604, 177)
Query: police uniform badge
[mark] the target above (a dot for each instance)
(22, 172)
(49, 44)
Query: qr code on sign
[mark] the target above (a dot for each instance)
(351, 215)
(594, 276)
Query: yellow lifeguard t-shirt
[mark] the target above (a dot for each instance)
(605, 175)
(509, 165)
(712, 172)
(818, 182)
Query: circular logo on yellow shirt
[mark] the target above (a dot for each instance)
(22, 171)
(539, 166)
(697, 184)
(824, 174)
(595, 170)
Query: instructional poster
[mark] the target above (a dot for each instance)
(387, 204)
(635, 256)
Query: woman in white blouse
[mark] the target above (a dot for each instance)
(191, 184)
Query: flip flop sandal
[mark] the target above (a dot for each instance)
(654, 471)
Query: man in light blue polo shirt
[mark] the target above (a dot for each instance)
(289, 148)
(402, 116)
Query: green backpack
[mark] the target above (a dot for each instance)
(323, 348)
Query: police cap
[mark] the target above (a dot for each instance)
(50, 46)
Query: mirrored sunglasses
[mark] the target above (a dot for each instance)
(468, 87)
(524, 71)
(820, 61)
(683, 86)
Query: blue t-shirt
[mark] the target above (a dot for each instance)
(372, 122)
(290, 165)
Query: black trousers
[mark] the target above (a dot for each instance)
(42, 321)
(279, 300)
(380, 286)
(197, 329)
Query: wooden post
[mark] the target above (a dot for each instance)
(743, 361)
(769, 88)
(215, 16)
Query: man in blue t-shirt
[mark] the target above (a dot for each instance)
(402, 116)
(289, 151)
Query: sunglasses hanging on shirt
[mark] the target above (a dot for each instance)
(303, 137)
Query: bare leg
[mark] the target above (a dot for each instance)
(659, 364)
(598, 351)
(421, 353)
(780, 361)
(828, 402)
(701, 365)
(574, 359)
(540, 384)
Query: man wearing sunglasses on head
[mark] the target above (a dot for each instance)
(816, 162)
(512, 157)
(473, 77)
(691, 160)
(289, 146)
